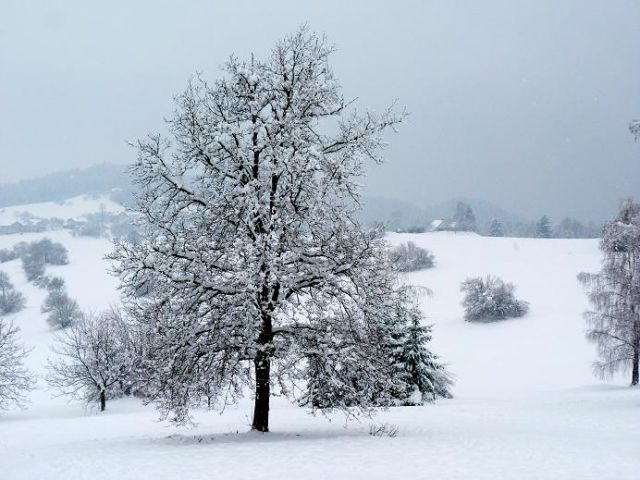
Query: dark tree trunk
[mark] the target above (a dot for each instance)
(103, 400)
(635, 368)
(261, 405)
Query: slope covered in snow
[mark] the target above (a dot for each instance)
(71, 208)
(526, 405)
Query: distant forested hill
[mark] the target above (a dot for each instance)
(106, 178)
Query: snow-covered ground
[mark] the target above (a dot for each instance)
(71, 208)
(526, 406)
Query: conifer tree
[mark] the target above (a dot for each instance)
(424, 373)
(464, 219)
(543, 227)
(496, 228)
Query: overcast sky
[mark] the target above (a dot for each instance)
(522, 103)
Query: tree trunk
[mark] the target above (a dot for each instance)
(635, 368)
(103, 400)
(262, 364)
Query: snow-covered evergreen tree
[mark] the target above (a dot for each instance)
(614, 322)
(463, 218)
(490, 298)
(416, 375)
(543, 227)
(496, 228)
(91, 359)
(250, 241)
(424, 374)
(15, 379)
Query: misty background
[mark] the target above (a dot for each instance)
(524, 105)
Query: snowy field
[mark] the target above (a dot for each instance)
(71, 208)
(526, 405)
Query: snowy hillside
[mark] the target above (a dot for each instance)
(67, 209)
(526, 405)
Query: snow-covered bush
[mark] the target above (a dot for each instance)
(11, 301)
(33, 266)
(6, 254)
(490, 298)
(52, 253)
(408, 257)
(62, 310)
(55, 283)
(91, 360)
(50, 283)
(15, 379)
(36, 255)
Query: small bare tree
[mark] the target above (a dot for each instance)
(15, 379)
(91, 359)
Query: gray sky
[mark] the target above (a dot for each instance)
(522, 103)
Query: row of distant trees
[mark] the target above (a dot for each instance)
(464, 220)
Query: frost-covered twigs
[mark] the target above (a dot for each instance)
(490, 298)
(15, 379)
(383, 430)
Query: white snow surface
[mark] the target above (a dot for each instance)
(526, 404)
(71, 208)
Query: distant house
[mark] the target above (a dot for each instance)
(74, 224)
(442, 225)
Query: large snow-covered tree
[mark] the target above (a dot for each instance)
(614, 322)
(15, 379)
(250, 242)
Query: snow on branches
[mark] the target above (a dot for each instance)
(250, 241)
